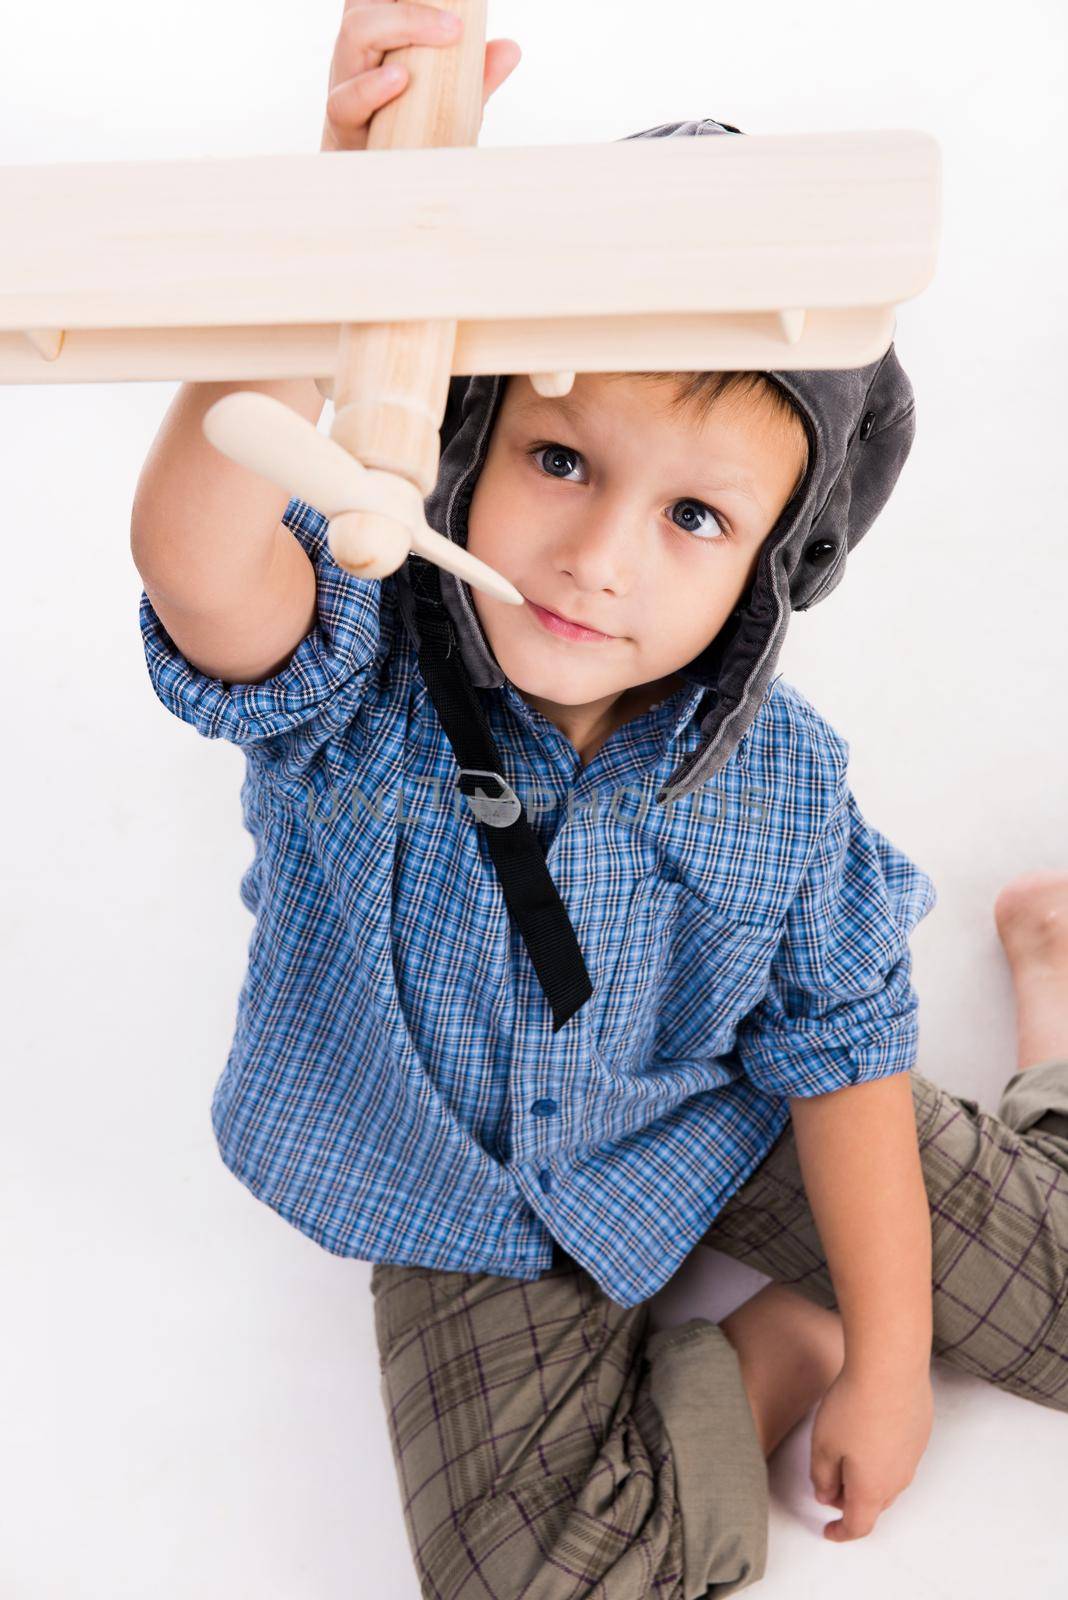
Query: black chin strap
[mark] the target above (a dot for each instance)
(529, 891)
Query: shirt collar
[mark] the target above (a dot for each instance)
(675, 713)
(688, 700)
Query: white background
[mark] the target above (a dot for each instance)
(189, 1387)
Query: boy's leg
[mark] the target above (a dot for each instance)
(998, 1191)
(547, 1446)
(997, 1185)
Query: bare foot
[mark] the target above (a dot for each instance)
(1031, 916)
(790, 1351)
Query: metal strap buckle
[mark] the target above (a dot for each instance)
(497, 811)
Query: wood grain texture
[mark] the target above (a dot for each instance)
(760, 223)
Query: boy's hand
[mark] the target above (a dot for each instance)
(359, 84)
(867, 1440)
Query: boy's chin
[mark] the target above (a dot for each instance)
(564, 687)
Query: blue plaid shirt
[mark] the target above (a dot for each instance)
(395, 1089)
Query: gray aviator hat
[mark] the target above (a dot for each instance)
(860, 423)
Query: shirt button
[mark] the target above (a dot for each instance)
(545, 1178)
(543, 1108)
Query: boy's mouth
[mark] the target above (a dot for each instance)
(553, 622)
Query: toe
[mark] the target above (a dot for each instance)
(1031, 913)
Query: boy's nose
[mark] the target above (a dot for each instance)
(602, 556)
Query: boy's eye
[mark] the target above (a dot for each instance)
(694, 526)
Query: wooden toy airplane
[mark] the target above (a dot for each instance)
(381, 273)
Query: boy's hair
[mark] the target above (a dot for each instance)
(700, 392)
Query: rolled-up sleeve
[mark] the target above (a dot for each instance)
(323, 679)
(840, 1006)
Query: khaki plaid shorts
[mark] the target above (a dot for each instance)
(548, 1446)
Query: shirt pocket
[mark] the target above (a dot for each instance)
(718, 974)
(678, 977)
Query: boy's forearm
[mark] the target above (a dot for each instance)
(861, 1168)
(202, 527)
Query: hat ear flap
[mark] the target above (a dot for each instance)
(873, 461)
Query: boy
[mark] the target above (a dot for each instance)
(741, 1074)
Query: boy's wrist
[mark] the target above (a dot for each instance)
(889, 1358)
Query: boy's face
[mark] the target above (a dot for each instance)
(643, 523)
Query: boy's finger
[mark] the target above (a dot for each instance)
(860, 1514)
(352, 103)
(356, 5)
(502, 58)
(368, 31)
(391, 24)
